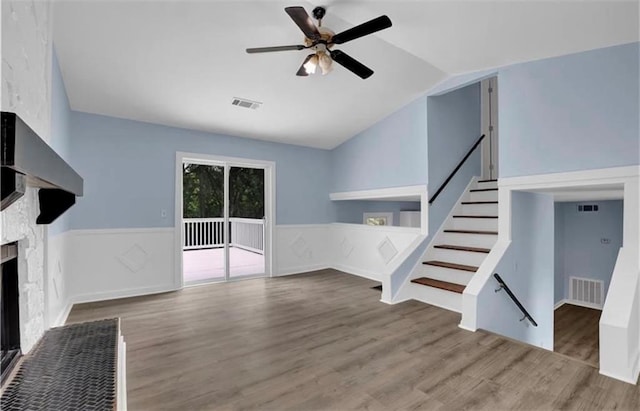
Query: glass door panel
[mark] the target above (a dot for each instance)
(246, 222)
(203, 223)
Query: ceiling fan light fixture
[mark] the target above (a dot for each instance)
(310, 66)
(325, 63)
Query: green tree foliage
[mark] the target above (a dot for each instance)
(203, 191)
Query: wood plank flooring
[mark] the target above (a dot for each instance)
(576, 333)
(323, 341)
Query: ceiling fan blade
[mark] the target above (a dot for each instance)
(302, 72)
(371, 26)
(276, 48)
(301, 18)
(351, 64)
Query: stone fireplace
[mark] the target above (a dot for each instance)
(9, 310)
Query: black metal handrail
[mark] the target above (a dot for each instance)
(503, 286)
(455, 170)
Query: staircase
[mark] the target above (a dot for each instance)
(458, 249)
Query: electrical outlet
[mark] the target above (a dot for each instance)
(163, 213)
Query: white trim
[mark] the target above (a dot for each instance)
(559, 304)
(269, 206)
(466, 328)
(391, 192)
(379, 228)
(300, 226)
(117, 231)
(399, 301)
(573, 178)
(62, 317)
(305, 269)
(371, 275)
(115, 295)
(618, 377)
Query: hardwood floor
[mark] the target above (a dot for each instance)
(576, 333)
(324, 341)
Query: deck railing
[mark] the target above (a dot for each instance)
(246, 233)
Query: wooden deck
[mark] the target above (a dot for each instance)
(208, 264)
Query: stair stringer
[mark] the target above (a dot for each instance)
(409, 291)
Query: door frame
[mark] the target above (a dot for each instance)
(489, 116)
(269, 204)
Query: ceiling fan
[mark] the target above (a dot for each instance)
(321, 41)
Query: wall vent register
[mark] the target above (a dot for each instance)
(244, 103)
(587, 291)
(587, 208)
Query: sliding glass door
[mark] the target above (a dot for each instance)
(223, 222)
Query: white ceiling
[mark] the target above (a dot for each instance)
(180, 63)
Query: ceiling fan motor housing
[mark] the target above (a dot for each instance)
(319, 12)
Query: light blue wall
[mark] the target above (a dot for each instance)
(574, 112)
(581, 252)
(351, 211)
(528, 269)
(454, 126)
(392, 153)
(60, 132)
(129, 172)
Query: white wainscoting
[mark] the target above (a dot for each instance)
(373, 252)
(116, 263)
(301, 248)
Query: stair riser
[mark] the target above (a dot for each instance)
(483, 196)
(491, 184)
(455, 256)
(468, 240)
(481, 224)
(479, 209)
(434, 296)
(446, 274)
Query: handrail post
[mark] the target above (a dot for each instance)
(505, 287)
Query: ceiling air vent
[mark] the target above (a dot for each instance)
(243, 102)
(587, 208)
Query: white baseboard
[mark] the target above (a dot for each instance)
(358, 271)
(618, 377)
(464, 327)
(62, 317)
(577, 303)
(115, 295)
(302, 270)
(403, 300)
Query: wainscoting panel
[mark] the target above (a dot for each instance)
(301, 248)
(370, 251)
(106, 264)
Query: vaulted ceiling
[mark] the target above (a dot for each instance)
(180, 63)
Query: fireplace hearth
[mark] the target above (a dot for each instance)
(10, 341)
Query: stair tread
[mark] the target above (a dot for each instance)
(479, 202)
(483, 189)
(443, 285)
(453, 266)
(475, 216)
(471, 232)
(487, 181)
(462, 248)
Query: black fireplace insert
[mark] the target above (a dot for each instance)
(9, 306)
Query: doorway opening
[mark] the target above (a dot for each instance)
(489, 123)
(588, 237)
(224, 207)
